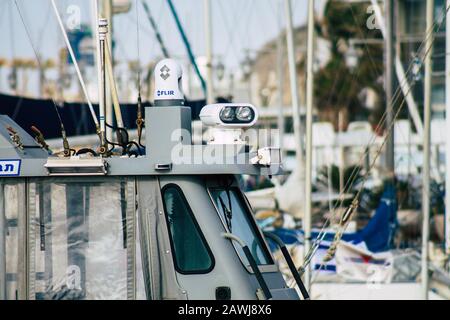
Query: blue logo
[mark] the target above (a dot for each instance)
(160, 93)
(10, 167)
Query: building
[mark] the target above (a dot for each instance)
(410, 33)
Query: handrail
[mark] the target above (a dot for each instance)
(252, 262)
(290, 263)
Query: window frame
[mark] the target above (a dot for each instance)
(197, 227)
(271, 266)
(31, 239)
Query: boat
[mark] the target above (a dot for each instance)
(139, 223)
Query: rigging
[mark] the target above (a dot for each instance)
(396, 96)
(67, 150)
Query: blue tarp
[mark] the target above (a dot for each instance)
(377, 234)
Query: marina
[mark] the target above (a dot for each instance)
(153, 153)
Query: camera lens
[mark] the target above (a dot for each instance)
(227, 114)
(244, 114)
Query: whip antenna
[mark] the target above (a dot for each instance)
(140, 120)
(66, 146)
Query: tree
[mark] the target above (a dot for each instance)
(337, 86)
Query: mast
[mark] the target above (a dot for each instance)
(95, 13)
(187, 45)
(208, 40)
(108, 14)
(426, 149)
(75, 63)
(447, 144)
(389, 84)
(294, 86)
(280, 74)
(401, 75)
(102, 31)
(164, 50)
(309, 120)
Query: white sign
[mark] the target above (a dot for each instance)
(9, 167)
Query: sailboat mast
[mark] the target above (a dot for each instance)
(426, 148)
(280, 75)
(294, 86)
(390, 160)
(208, 41)
(309, 120)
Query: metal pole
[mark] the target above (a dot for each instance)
(341, 153)
(280, 74)
(389, 84)
(426, 150)
(309, 141)
(447, 144)
(75, 63)
(95, 17)
(102, 31)
(294, 86)
(400, 72)
(108, 14)
(187, 45)
(3, 226)
(114, 93)
(208, 40)
(155, 29)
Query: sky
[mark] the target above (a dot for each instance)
(239, 26)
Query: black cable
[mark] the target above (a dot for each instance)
(86, 150)
(137, 146)
(124, 146)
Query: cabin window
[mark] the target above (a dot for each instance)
(237, 219)
(12, 228)
(83, 240)
(190, 250)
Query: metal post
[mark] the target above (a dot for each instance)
(95, 17)
(309, 141)
(447, 144)
(208, 40)
(341, 153)
(294, 86)
(280, 74)
(3, 226)
(401, 75)
(114, 92)
(102, 31)
(389, 51)
(164, 50)
(75, 63)
(108, 14)
(187, 45)
(426, 150)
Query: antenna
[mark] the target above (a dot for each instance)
(140, 120)
(67, 150)
(75, 63)
(102, 31)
